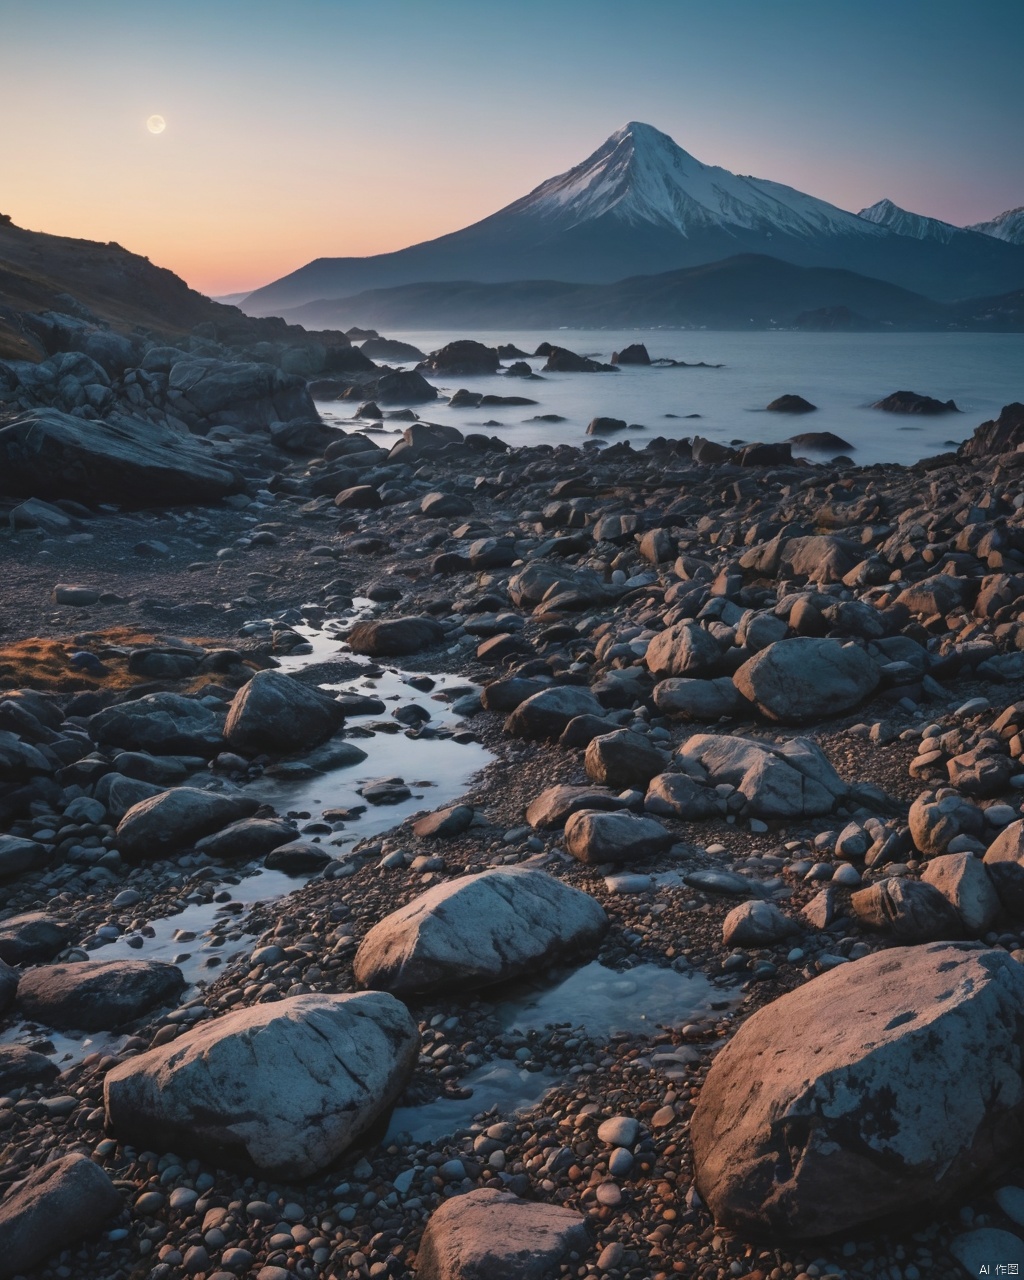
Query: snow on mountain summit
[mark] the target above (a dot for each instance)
(640, 175)
(1008, 226)
(887, 214)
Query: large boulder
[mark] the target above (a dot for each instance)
(32, 937)
(461, 357)
(677, 795)
(18, 854)
(545, 714)
(238, 394)
(863, 1094)
(622, 759)
(493, 1235)
(999, 435)
(248, 838)
(935, 822)
(911, 910)
(595, 836)
(477, 930)
(914, 403)
(684, 649)
(52, 1209)
(97, 995)
(822, 558)
(275, 713)
(1004, 859)
(805, 678)
(555, 804)
(701, 700)
(161, 723)
(964, 882)
(395, 637)
(779, 780)
(177, 818)
(286, 1087)
(49, 454)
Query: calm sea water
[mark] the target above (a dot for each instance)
(841, 373)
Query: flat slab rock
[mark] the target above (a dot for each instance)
(493, 1235)
(52, 1209)
(97, 995)
(863, 1094)
(478, 930)
(286, 1087)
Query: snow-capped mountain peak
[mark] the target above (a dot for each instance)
(1008, 226)
(640, 175)
(904, 223)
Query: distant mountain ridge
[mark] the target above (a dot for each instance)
(641, 205)
(1008, 226)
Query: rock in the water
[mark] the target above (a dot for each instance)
(461, 357)
(297, 857)
(275, 713)
(756, 924)
(805, 678)
(684, 649)
(177, 818)
(909, 909)
(48, 454)
(862, 1094)
(52, 1209)
(911, 402)
(791, 404)
(635, 353)
(97, 995)
(395, 637)
(786, 780)
(1005, 862)
(594, 836)
(286, 1086)
(493, 1235)
(477, 930)
(545, 714)
(21, 1066)
(247, 838)
(622, 759)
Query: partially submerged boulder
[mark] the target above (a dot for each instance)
(177, 818)
(97, 995)
(277, 714)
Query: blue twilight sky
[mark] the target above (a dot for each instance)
(326, 127)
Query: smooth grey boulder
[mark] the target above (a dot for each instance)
(596, 836)
(162, 723)
(493, 1235)
(805, 678)
(684, 649)
(297, 857)
(97, 995)
(445, 823)
(177, 818)
(131, 461)
(677, 795)
(286, 1087)
(964, 882)
(32, 937)
(1004, 859)
(20, 1066)
(757, 924)
(52, 1209)
(119, 793)
(701, 700)
(554, 805)
(784, 780)
(478, 930)
(276, 714)
(935, 822)
(545, 714)
(622, 759)
(909, 909)
(862, 1094)
(395, 637)
(248, 838)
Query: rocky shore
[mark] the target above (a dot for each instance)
(714, 969)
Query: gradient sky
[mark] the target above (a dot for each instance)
(332, 127)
